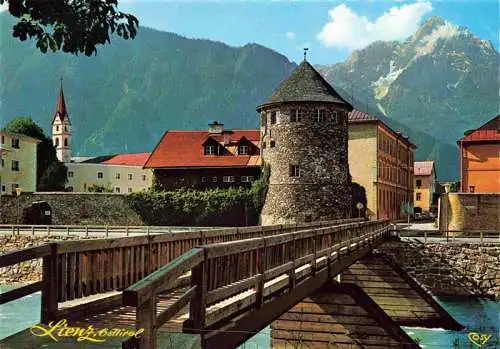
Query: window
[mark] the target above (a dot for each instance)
(129, 190)
(117, 176)
(273, 117)
(3, 139)
(84, 187)
(15, 165)
(143, 177)
(203, 179)
(117, 189)
(295, 115)
(70, 174)
(246, 179)
(2, 162)
(321, 115)
(65, 128)
(418, 197)
(418, 183)
(214, 179)
(3, 188)
(272, 144)
(294, 171)
(243, 150)
(263, 119)
(130, 176)
(14, 187)
(69, 189)
(210, 150)
(100, 175)
(472, 189)
(228, 179)
(65, 142)
(335, 117)
(15, 143)
(57, 142)
(57, 128)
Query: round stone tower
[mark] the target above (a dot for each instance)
(304, 137)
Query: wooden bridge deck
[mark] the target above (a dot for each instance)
(233, 282)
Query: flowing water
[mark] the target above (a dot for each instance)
(479, 316)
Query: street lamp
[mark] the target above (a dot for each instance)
(18, 192)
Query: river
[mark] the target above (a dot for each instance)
(477, 315)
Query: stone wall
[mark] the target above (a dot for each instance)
(323, 189)
(469, 211)
(458, 269)
(27, 271)
(73, 208)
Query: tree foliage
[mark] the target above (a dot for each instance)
(71, 25)
(46, 154)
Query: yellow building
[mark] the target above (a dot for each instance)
(18, 163)
(425, 185)
(122, 173)
(381, 161)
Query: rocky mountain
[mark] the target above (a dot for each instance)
(435, 85)
(441, 81)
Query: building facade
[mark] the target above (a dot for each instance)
(425, 184)
(18, 163)
(304, 141)
(122, 173)
(204, 159)
(480, 160)
(381, 161)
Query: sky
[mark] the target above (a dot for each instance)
(330, 29)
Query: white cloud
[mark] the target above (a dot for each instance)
(352, 31)
(290, 35)
(4, 7)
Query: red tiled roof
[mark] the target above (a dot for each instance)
(423, 168)
(490, 131)
(358, 115)
(137, 159)
(179, 149)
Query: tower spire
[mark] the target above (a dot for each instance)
(61, 104)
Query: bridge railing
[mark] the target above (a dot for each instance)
(473, 236)
(80, 268)
(223, 270)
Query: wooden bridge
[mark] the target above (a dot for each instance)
(223, 285)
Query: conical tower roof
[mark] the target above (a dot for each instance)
(305, 84)
(61, 107)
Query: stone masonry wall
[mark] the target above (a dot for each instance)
(27, 271)
(469, 211)
(73, 208)
(323, 190)
(458, 269)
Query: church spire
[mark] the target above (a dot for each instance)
(61, 111)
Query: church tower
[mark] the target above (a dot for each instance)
(61, 130)
(304, 137)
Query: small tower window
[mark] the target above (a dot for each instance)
(321, 115)
(275, 117)
(294, 171)
(335, 117)
(65, 142)
(57, 128)
(272, 144)
(296, 115)
(263, 119)
(65, 128)
(57, 142)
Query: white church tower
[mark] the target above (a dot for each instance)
(61, 130)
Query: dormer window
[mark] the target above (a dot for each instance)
(243, 150)
(321, 115)
(210, 150)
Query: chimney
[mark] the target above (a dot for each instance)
(227, 136)
(215, 127)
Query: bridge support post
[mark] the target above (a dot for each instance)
(49, 288)
(146, 314)
(196, 321)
